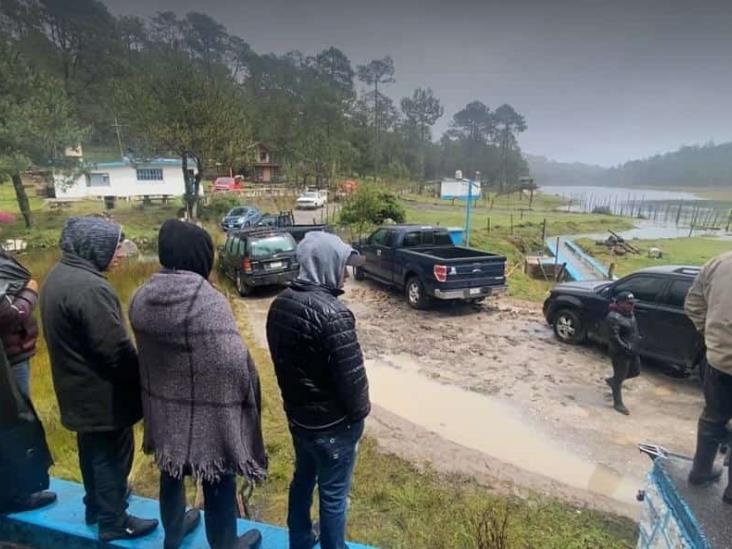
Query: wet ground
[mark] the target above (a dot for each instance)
(489, 393)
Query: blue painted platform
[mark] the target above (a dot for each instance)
(62, 525)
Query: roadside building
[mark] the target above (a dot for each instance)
(265, 169)
(124, 178)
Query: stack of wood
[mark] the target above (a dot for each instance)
(618, 245)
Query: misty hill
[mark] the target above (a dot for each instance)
(691, 166)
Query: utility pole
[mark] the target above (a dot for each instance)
(116, 127)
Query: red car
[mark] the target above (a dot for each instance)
(228, 184)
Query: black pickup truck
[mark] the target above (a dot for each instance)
(285, 221)
(425, 264)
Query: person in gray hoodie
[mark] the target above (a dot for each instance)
(95, 371)
(319, 366)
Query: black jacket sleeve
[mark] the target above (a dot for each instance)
(100, 315)
(346, 364)
(14, 310)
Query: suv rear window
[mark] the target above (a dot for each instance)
(270, 245)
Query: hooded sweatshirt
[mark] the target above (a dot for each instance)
(93, 361)
(322, 257)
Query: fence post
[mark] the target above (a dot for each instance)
(556, 253)
(543, 232)
(488, 223)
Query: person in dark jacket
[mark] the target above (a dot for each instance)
(200, 390)
(320, 371)
(19, 332)
(623, 346)
(95, 371)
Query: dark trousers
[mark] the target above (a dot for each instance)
(625, 367)
(326, 458)
(219, 503)
(717, 404)
(105, 459)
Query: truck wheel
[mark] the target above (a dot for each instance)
(358, 273)
(568, 327)
(416, 296)
(242, 287)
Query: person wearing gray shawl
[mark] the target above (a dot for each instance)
(200, 389)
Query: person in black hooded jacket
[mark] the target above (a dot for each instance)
(623, 346)
(319, 366)
(95, 371)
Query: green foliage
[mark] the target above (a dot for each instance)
(372, 205)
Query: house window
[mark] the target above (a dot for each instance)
(97, 180)
(150, 174)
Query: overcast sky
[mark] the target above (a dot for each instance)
(599, 81)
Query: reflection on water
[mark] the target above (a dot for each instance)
(487, 425)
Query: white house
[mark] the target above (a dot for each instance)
(454, 188)
(125, 178)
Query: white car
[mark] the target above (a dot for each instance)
(312, 199)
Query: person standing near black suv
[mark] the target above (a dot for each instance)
(95, 371)
(709, 306)
(320, 371)
(624, 339)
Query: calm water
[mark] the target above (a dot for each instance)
(611, 194)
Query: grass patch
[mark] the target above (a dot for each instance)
(676, 251)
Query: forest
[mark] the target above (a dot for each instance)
(180, 84)
(689, 167)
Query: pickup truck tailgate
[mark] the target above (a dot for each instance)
(469, 273)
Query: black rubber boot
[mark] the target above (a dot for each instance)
(249, 540)
(191, 520)
(30, 502)
(134, 528)
(707, 444)
(615, 387)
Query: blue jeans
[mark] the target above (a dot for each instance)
(22, 377)
(326, 458)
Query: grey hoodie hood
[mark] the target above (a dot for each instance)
(92, 239)
(322, 257)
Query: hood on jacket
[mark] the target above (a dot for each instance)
(185, 247)
(323, 257)
(92, 239)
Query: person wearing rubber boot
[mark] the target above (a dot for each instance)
(623, 346)
(709, 306)
(95, 371)
(200, 390)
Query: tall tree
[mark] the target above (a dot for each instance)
(508, 124)
(422, 110)
(166, 29)
(474, 122)
(35, 123)
(206, 38)
(334, 67)
(377, 73)
(133, 33)
(172, 106)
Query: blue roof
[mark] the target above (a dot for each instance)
(139, 162)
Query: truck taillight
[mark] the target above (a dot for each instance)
(246, 265)
(440, 272)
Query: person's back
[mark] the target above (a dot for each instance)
(319, 366)
(95, 371)
(317, 360)
(709, 306)
(201, 395)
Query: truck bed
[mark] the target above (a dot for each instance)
(456, 253)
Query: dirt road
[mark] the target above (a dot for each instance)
(491, 394)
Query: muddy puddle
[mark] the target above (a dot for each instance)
(488, 425)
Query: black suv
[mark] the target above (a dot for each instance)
(259, 257)
(577, 311)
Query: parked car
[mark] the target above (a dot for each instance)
(425, 264)
(312, 199)
(240, 217)
(285, 220)
(577, 312)
(258, 257)
(222, 184)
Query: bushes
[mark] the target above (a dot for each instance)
(372, 205)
